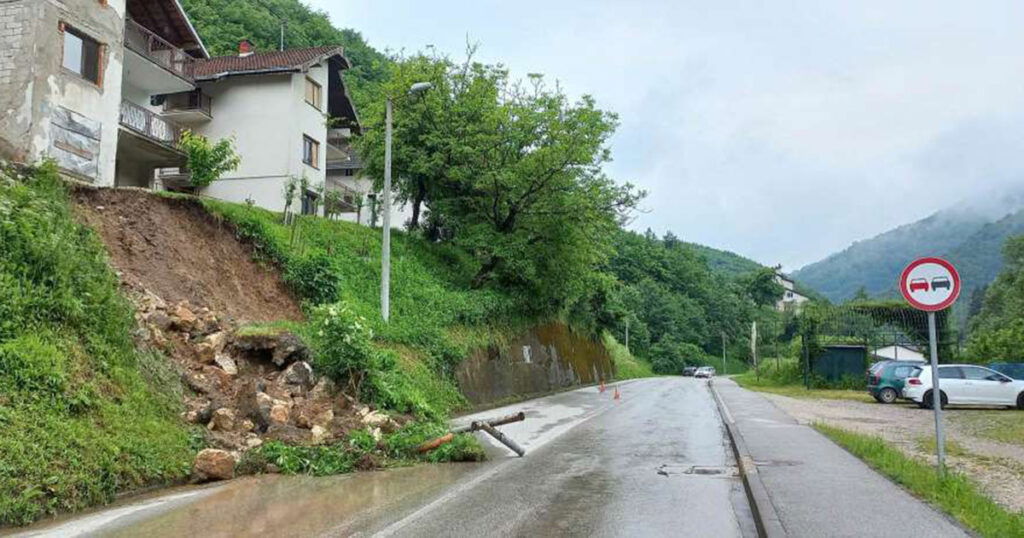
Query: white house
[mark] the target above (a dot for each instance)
(76, 82)
(790, 297)
(900, 353)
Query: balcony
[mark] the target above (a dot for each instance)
(153, 64)
(145, 123)
(189, 107)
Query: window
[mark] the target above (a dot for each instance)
(348, 172)
(313, 93)
(980, 374)
(950, 372)
(311, 152)
(903, 372)
(82, 55)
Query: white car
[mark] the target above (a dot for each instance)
(964, 384)
(705, 371)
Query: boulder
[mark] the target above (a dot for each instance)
(205, 353)
(226, 363)
(198, 410)
(320, 434)
(160, 320)
(279, 413)
(299, 374)
(213, 464)
(217, 340)
(183, 318)
(223, 420)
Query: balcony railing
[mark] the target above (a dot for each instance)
(148, 124)
(194, 101)
(143, 41)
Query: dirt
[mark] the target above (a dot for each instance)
(997, 467)
(174, 248)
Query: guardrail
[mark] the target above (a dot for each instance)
(145, 42)
(148, 124)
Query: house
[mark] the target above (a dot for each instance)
(77, 82)
(288, 112)
(791, 299)
(899, 352)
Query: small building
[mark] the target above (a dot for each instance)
(791, 299)
(899, 352)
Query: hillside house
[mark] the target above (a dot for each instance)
(791, 299)
(77, 82)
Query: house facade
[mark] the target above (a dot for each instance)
(288, 113)
(77, 79)
(791, 299)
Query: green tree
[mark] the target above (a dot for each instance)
(997, 331)
(762, 287)
(208, 161)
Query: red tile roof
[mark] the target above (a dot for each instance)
(263, 62)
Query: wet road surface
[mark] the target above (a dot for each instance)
(655, 463)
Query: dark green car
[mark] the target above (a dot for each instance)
(885, 379)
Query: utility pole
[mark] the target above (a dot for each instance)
(753, 347)
(385, 255)
(725, 369)
(283, 23)
(627, 334)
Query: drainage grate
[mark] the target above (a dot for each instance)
(703, 470)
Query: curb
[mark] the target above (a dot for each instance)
(766, 519)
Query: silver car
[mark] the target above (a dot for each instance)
(705, 372)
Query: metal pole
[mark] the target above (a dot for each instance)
(627, 334)
(940, 435)
(725, 369)
(385, 255)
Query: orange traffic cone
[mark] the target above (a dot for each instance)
(601, 387)
(617, 395)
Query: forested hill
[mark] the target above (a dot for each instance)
(724, 262)
(970, 237)
(224, 23)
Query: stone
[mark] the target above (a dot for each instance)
(283, 347)
(223, 420)
(279, 413)
(184, 319)
(205, 353)
(319, 434)
(217, 340)
(198, 411)
(299, 374)
(324, 389)
(253, 442)
(160, 320)
(247, 425)
(226, 363)
(375, 419)
(213, 464)
(273, 469)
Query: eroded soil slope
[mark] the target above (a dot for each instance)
(174, 248)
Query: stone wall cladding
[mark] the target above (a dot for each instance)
(14, 29)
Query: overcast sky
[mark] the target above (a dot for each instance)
(781, 130)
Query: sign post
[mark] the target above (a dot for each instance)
(932, 284)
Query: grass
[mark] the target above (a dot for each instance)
(1002, 425)
(953, 493)
(83, 415)
(627, 366)
(750, 381)
(927, 445)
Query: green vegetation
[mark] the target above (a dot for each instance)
(207, 161)
(927, 445)
(997, 331)
(626, 365)
(83, 415)
(953, 493)
(784, 376)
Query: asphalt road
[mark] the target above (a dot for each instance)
(654, 463)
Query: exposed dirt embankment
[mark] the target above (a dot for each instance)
(174, 248)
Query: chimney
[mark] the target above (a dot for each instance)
(244, 48)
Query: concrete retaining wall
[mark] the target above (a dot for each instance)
(544, 359)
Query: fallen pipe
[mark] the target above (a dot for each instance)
(475, 425)
(505, 440)
(478, 425)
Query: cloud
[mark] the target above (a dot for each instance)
(780, 130)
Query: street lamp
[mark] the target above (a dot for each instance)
(385, 258)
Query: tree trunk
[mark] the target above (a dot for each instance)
(417, 202)
(485, 273)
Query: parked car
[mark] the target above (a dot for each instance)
(964, 384)
(689, 371)
(1012, 369)
(886, 379)
(705, 371)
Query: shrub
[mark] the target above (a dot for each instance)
(314, 277)
(342, 342)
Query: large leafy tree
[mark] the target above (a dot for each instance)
(997, 331)
(510, 171)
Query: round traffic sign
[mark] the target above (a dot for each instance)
(930, 284)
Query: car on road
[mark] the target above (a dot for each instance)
(705, 371)
(886, 379)
(689, 371)
(964, 384)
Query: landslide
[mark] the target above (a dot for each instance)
(174, 248)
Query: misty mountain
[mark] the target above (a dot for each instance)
(970, 234)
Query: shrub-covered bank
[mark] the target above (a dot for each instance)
(83, 415)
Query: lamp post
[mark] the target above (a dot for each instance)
(385, 258)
